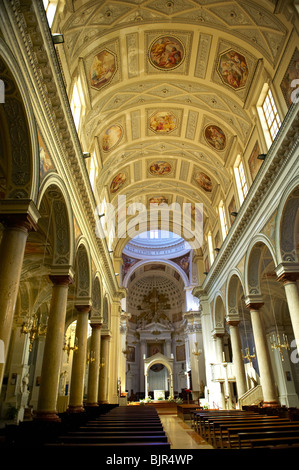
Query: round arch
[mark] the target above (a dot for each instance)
(83, 270)
(151, 261)
(19, 132)
(176, 228)
(106, 311)
(219, 311)
(253, 259)
(287, 224)
(54, 189)
(158, 359)
(97, 300)
(234, 282)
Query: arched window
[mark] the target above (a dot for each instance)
(211, 251)
(271, 114)
(240, 179)
(223, 220)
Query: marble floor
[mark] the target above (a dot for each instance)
(181, 435)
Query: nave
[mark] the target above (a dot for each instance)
(138, 428)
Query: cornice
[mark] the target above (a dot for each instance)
(51, 102)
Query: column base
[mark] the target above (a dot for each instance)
(48, 416)
(271, 404)
(75, 409)
(89, 405)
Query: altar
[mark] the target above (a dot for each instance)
(159, 394)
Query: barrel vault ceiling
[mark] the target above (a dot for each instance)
(168, 87)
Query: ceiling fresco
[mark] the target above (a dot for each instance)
(168, 88)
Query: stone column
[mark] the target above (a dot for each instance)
(47, 400)
(114, 369)
(262, 353)
(197, 362)
(288, 274)
(143, 347)
(79, 360)
(218, 338)
(237, 356)
(12, 249)
(104, 378)
(124, 318)
(218, 334)
(146, 385)
(94, 366)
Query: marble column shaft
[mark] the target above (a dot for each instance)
(79, 360)
(292, 295)
(12, 249)
(47, 400)
(238, 361)
(94, 366)
(103, 379)
(263, 356)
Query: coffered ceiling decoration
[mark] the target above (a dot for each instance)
(168, 88)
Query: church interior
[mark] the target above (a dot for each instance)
(149, 219)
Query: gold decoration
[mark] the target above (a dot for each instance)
(33, 328)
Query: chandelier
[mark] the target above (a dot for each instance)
(247, 354)
(196, 352)
(33, 328)
(68, 348)
(90, 357)
(277, 344)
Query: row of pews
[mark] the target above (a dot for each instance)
(128, 426)
(240, 429)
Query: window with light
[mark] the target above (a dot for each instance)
(241, 181)
(223, 221)
(50, 9)
(210, 244)
(271, 115)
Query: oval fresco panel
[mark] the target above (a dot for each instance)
(163, 122)
(215, 137)
(160, 168)
(166, 52)
(118, 182)
(102, 69)
(204, 181)
(233, 69)
(111, 137)
(160, 200)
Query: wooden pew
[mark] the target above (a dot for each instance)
(184, 411)
(217, 429)
(204, 420)
(163, 446)
(276, 441)
(114, 439)
(115, 433)
(117, 428)
(140, 426)
(245, 438)
(230, 440)
(201, 418)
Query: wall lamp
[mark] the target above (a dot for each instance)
(57, 38)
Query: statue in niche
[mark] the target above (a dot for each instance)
(153, 306)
